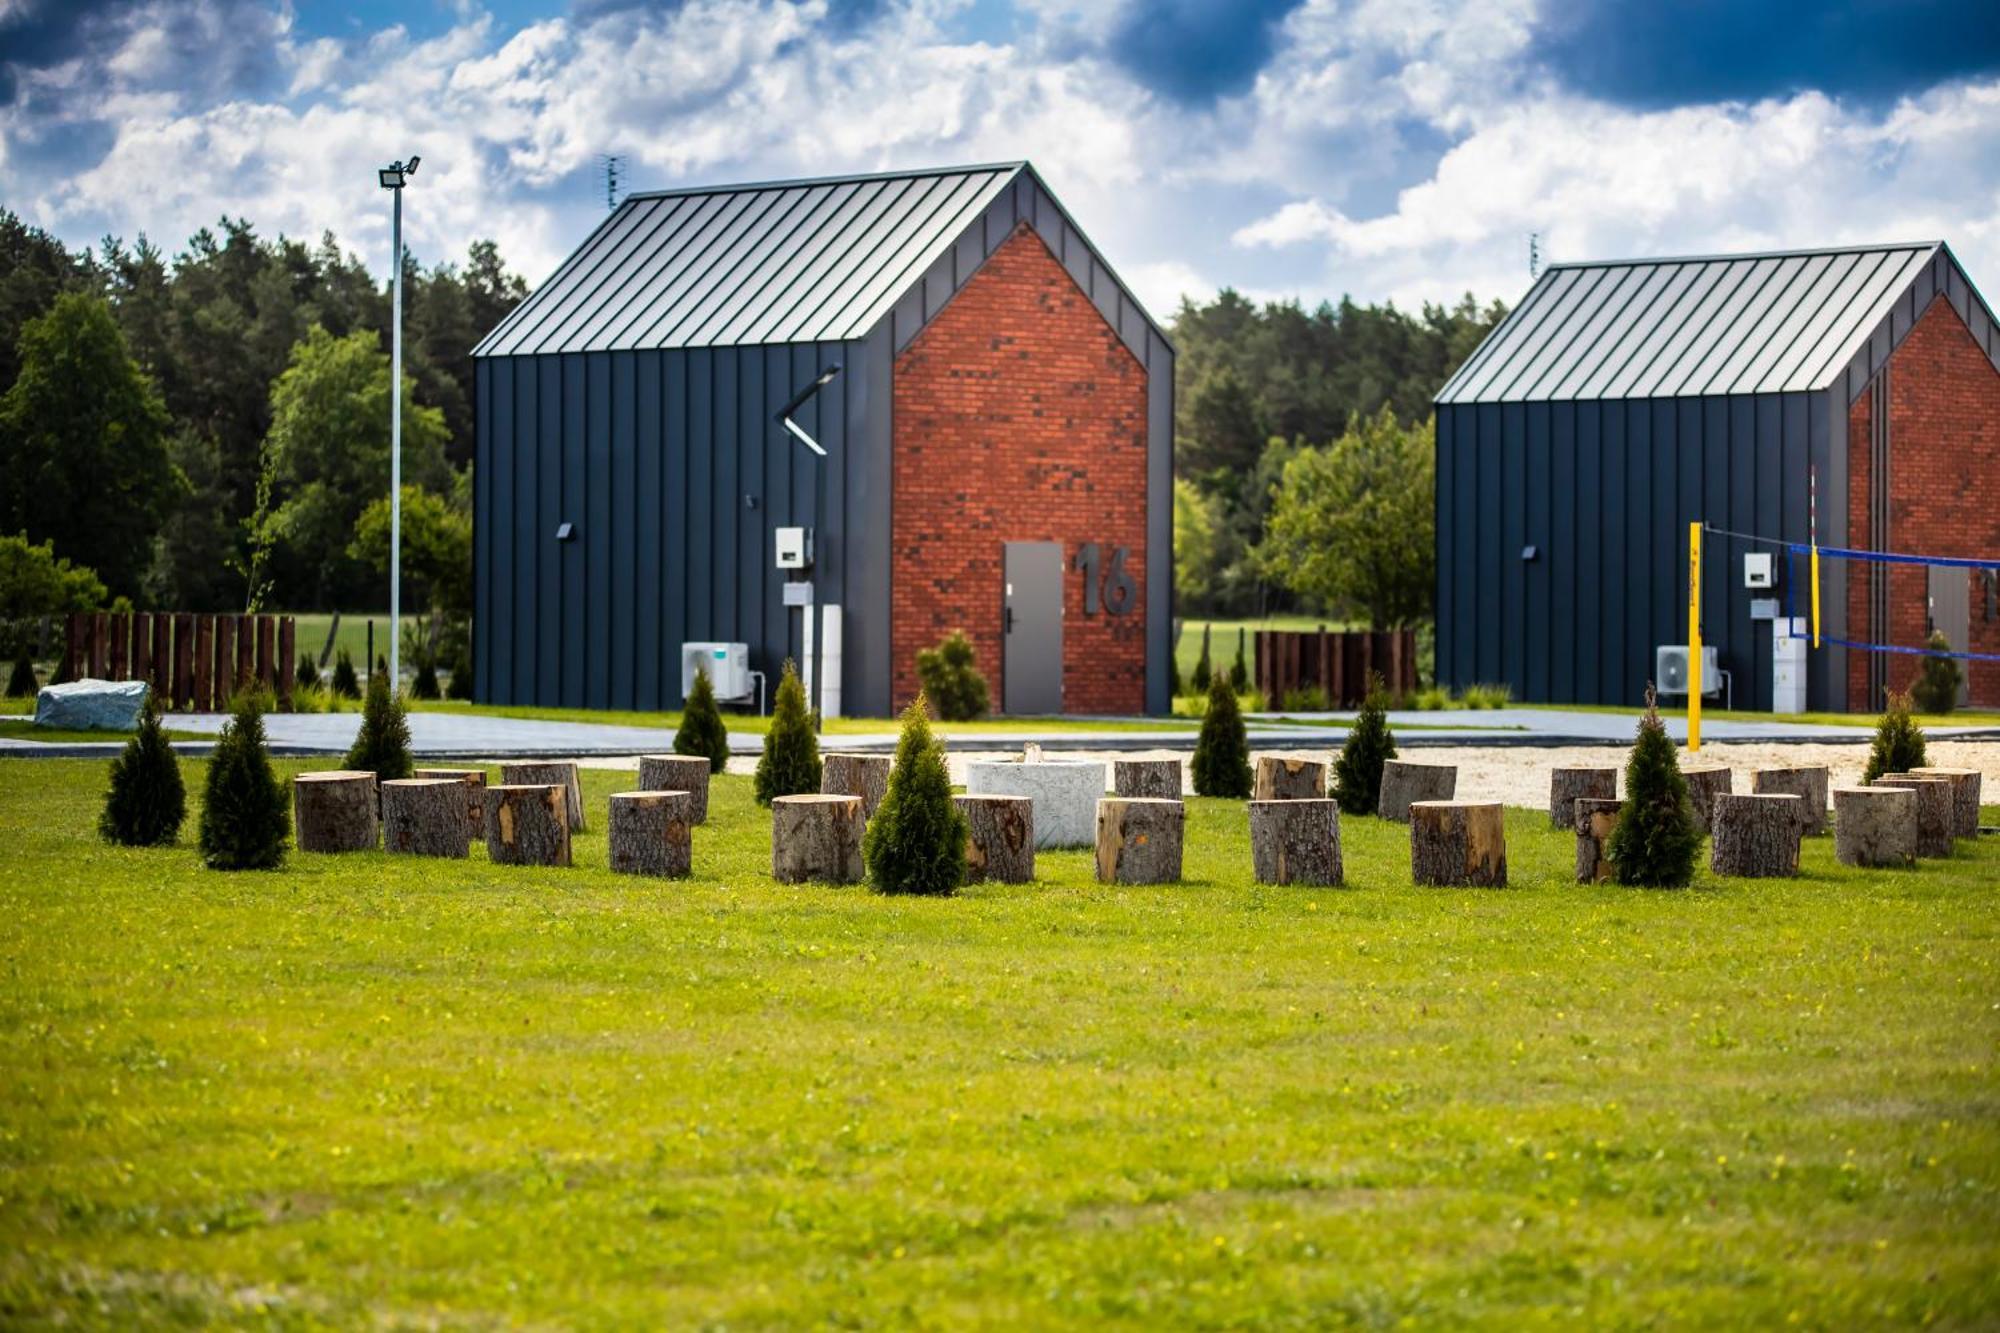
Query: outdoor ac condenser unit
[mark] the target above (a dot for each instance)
(1670, 669)
(727, 664)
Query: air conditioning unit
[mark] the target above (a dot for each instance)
(728, 667)
(1670, 669)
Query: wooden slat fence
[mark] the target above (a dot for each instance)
(191, 660)
(1336, 662)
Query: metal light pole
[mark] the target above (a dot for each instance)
(392, 178)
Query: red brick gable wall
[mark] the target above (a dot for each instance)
(1019, 416)
(1944, 493)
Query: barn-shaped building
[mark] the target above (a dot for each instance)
(997, 436)
(1621, 401)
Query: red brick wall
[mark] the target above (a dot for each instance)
(1019, 416)
(1944, 493)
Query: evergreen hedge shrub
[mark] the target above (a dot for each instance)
(701, 731)
(1899, 741)
(244, 814)
(916, 841)
(1936, 690)
(1221, 764)
(147, 801)
(382, 746)
(1357, 774)
(1203, 672)
(21, 684)
(1239, 670)
(424, 685)
(346, 684)
(951, 680)
(790, 763)
(1656, 842)
(306, 675)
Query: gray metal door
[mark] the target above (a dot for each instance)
(1031, 626)
(1951, 612)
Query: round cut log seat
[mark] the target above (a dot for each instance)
(1569, 785)
(334, 811)
(816, 839)
(1936, 809)
(1965, 784)
(863, 775)
(424, 817)
(1289, 777)
(527, 824)
(1875, 826)
(1808, 782)
(651, 833)
(1296, 842)
(1065, 793)
(1755, 836)
(1139, 840)
(678, 772)
(1705, 783)
(1404, 782)
(560, 772)
(1594, 818)
(999, 838)
(1457, 844)
(1154, 779)
(474, 780)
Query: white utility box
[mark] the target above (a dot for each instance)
(1788, 665)
(794, 548)
(1671, 669)
(1759, 570)
(727, 664)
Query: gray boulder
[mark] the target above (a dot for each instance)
(91, 705)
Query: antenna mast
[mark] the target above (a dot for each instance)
(610, 162)
(1534, 255)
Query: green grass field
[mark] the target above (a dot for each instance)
(372, 1090)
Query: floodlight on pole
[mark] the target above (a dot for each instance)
(392, 178)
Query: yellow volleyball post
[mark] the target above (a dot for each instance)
(1694, 636)
(1815, 593)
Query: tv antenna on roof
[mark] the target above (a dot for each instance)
(610, 163)
(1534, 255)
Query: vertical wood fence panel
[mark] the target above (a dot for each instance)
(1337, 663)
(190, 660)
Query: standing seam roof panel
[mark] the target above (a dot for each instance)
(1732, 291)
(1851, 291)
(532, 315)
(815, 235)
(1660, 284)
(1621, 285)
(825, 269)
(693, 259)
(910, 260)
(773, 241)
(1782, 288)
(594, 310)
(1507, 350)
(664, 266)
(1810, 309)
(1660, 336)
(1897, 280)
(1489, 346)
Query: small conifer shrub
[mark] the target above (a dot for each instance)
(915, 843)
(951, 680)
(1357, 774)
(1174, 681)
(701, 730)
(307, 674)
(1656, 842)
(346, 684)
(790, 763)
(147, 801)
(382, 746)
(21, 684)
(1222, 751)
(244, 819)
(381, 667)
(1899, 741)
(424, 685)
(1239, 670)
(1202, 670)
(460, 684)
(1936, 690)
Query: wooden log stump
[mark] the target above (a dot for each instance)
(1296, 842)
(561, 772)
(651, 833)
(1936, 809)
(863, 775)
(1965, 784)
(1808, 782)
(474, 780)
(1405, 782)
(1593, 818)
(1000, 838)
(1705, 783)
(527, 824)
(1874, 826)
(1139, 840)
(334, 811)
(816, 839)
(1149, 779)
(1567, 786)
(1755, 836)
(678, 772)
(1458, 843)
(1289, 777)
(424, 817)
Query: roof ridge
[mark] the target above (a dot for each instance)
(1802, 253)
(744, 187)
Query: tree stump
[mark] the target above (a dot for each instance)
(1139, 840)
(560, 772)
(1965, 783)
(527, 824)
(1296, 842)
(863, 775)
(1000, 838)
(816, 839)
(1756, 837)
(1936, 809)
(1705, 783)
(1289, 777)
(334, 811)
(1151, 779)
(1874, 826)
(1567, 786)
(475, 795)
(1405, 782)
(1065, 793)
(424, 817)
(1457, 843)
(1593, 818)
(678, 772)
(1808, 782)
(651, 832)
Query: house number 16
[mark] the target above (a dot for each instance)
(1112, 589)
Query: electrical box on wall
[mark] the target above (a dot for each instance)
(1758, 570)
(794, 548)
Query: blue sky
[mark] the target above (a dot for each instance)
(1397, 149)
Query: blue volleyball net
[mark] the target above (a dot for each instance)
(1813, 555)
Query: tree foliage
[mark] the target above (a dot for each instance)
(701, 731)
(382, 746)
(1221, 765)
(244, 814)
(437, 547)
(790, 764)
(35, 581)
(915, 843)
(147, 801)
(1656, 842)
(1194, 544)
(1357, 773)
(950, 678)
(1899, 741)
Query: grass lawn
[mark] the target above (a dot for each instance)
(384, 1091)
(17, 729)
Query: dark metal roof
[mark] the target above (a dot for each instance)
(1668, 328)
(776, 262)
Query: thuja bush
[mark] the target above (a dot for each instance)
(789, 765)
(460, 684)
(1357, 774)
(1899, 741)
(244, 820)
(382, 746)
(1203, 672)
(701, 730)
(147, 801)
(346, 684)
(1222, 751)
(916, 841)
(1239, 670)
(1936, 689)
(307, 673)
(951, 679)
(1656, 841)
(21, 683)
(424, 685)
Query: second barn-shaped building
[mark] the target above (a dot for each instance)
(995, 409)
